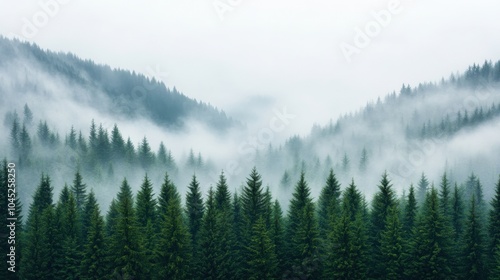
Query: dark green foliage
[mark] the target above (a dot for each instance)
(168, 192)
(423, 185)
(445, 197)
(410, 213)
(125, 248)
(431, 252)
(146, 218)
(494, 229)
(261, 261)
(302, 233)
(392, 247)
(215, 242)
(146, 204)
(277, 233)
(457, 214)
(252, 200)
(194, 212)
(473, 240)
(94, 251)
(383, 201)
(328, 205)
(173, 254)
(347, 242)
(79, 190)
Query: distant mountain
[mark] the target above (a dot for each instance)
(451, 126)
(27, 72)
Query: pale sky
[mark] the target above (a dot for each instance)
(249, 57)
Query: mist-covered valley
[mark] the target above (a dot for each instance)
(110, 124)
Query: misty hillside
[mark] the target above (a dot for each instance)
(64, 114)
(450, 126)
(29, 74)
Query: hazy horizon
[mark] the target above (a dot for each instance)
(269, 54)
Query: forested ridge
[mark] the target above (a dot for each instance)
(28, 70)
(447, 231)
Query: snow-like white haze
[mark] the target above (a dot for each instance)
(256, 55)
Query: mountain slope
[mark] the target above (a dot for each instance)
(27, 72)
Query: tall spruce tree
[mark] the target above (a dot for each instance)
(431, 250)
(410, 213)
(302, 233)
(194, 213)
(125, 247)
(147, 217)
(494, 230)
(423, 185)
(347, 250)
(79, 190)
(173, 254)
(94, 251)
(473, 243)
(328, 205)
(393, 247)
(261, 261)
(383, 201)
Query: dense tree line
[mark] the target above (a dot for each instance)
(444, 232)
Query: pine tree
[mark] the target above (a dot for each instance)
(90, 205)
(70, 232)
(473, 252)
(194, 212)
(347, 255)
(14, 135)
(423, 185)
(147, 218)
(117, 144)
(277, 233)
(38, 255)
(302, 233)
(168, 191)
(457, 215)
(94, 252)
(125, 248)
(24, 146)
(261, 261)
(237, 253)
(214, 243)
(222, 195)
(79, 190)
(28, 116)
(252, 200)
(146, 156)
(173, 250)
(410, 213)
(444, 197)
(162, 154)
(431, 250)
(71, 138)
(494, 230)
(146, 204)
(392, 247)
(112, 219)
(383, 201)
(328, 205)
